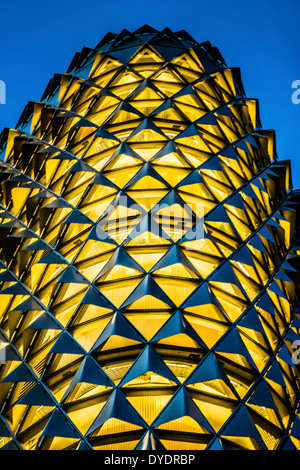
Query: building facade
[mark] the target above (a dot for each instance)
(149, 259)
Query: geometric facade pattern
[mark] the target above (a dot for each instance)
(120, 329)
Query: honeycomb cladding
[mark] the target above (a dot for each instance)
(149, 258)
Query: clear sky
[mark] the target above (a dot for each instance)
(39, 38)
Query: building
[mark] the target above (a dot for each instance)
(149, 258)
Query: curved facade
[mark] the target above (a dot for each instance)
(149, 258)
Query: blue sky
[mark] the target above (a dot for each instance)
(38, 39)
